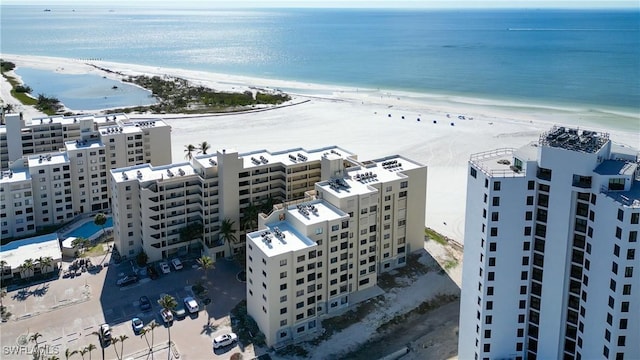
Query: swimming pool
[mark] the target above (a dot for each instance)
(89, 229)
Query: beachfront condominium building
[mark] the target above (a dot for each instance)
(153, 205)
(68, 159)
(127, 141)
(551, 269)
(313, 258)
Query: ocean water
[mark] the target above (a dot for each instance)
(574, 57)
(84, 92)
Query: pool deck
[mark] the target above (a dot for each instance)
(67, 230)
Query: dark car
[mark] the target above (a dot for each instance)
(127, 280)
(145, 303)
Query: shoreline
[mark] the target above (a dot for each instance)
(619, 118)
(370, 123)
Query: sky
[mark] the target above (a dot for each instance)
(633, 4)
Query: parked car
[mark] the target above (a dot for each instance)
(176, 264)
(224, 340)
(137, 325)
(165, 268)
(191, 304)
(179, 312)
(105, 333)
(145, 303)
(127, 280)
(167, 315)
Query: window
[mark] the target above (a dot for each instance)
(624, 306)
(494, 231)
(628, 271)
(492, 261)
(473, 172)
(489, 305)
(283, 262)
(631, 254)
(283, 311)
(494, 216)
(529, 200)
(496, 201)
(635, 218)
(626, 289)
(623, 324)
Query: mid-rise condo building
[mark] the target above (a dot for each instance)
(67, 160)
(312, 258)
(551, 269)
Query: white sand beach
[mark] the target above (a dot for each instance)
(369, 122)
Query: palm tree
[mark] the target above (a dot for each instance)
(228, 233)
(250, 217)
(45, 263)
(90, 348)
(68, 353)
(168, 303)
(2, 265)
(203, 147)
(189, 149)
(100, 219)
(34, 339)
(206, 263)
(149, 329)
(122, 338)
(4, 314)
(100, 342)
(26, 269)
(82, 352)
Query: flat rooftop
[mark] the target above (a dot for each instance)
(499, 162)
(290, 157)
(314, 211)
(65, 120)
(360, 178)
(616, 167)
(83, 144)
(146, 172)
(128, 126)
(9, 176)
(48, 159)
(279, 238)
(16, 252)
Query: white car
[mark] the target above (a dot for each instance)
(191, 304)
(224, 340)
(167, 315)
(176, 264)
(165, 268)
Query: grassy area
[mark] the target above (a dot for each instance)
(95, 250)
(435, 236)
(24, 98)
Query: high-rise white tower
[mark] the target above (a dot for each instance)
(550, 265)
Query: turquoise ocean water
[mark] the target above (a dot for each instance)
(587, 58)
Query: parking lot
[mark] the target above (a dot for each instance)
(68, 311)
